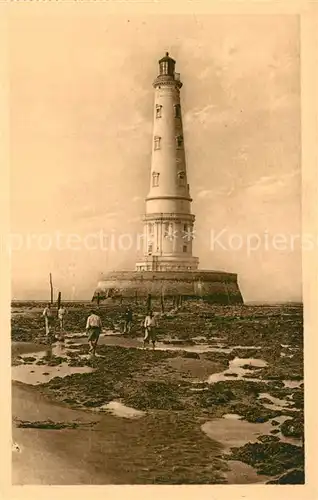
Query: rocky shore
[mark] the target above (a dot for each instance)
(223, 387)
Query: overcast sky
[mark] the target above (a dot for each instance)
(81, 125)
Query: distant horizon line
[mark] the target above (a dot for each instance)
(249, 302)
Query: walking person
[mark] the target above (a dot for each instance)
(150, 333)
(48, 316)
(93, 330)
(128, 320)
(61, 315)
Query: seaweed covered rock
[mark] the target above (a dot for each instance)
(216, 394)
(256, 413)
(294, 476)
(270, 458)
(268, 439)
(191, 355)
(154, 395)
(293, 427)
(29, 359)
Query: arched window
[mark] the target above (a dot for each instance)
(155, 179)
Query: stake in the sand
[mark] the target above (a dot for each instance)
(149, 302)
(51, 287)
(162, 300)
(59, 301)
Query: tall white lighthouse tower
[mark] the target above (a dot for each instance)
(168, 222)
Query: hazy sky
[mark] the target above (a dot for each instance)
(81, 125)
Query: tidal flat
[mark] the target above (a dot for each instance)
(219, 397)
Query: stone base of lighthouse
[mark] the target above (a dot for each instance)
(214, 286)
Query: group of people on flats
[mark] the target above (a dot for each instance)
(94, 326)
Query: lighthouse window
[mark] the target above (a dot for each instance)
(149, 248)
(155, 179)
(179, 141)
(158, 111)
(150, 229)
(157, 140)
(184, 248)
(164, 68)
(181, 179)
(177, 111)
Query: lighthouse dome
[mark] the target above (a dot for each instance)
(166, 66)
(167, 58)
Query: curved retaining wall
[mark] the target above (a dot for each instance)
(215, 286)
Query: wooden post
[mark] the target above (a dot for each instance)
(98, 298)
(51, 287)
(149, 302)
(59, 300)
(162, 302)
(179, 301)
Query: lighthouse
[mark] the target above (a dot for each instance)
(168, 221)
(166, 267)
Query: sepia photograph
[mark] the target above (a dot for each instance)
(156, 249)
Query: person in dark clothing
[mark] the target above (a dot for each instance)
(128, 317)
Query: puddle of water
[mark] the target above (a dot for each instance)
(199, 348)
(200, 338)
(292, 384)
(58, 349)
(232, 416)
(122, 341)
(112, 333)
(238, 362)
(280, 403)
(241, 473)
(212, 338)
(246, 347)
(33, 374)
(281, 419)
(120, 410)
(76, 335)
(234, 432)
(236, 372)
